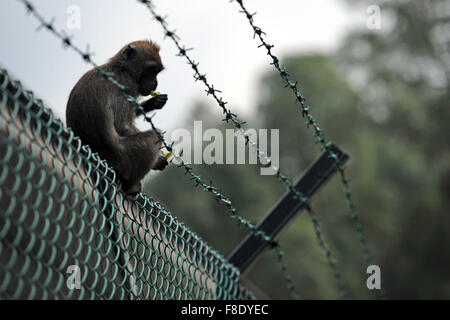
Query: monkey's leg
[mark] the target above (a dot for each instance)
(132, 188)
(138, 155)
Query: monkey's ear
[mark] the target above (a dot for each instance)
(128, 52)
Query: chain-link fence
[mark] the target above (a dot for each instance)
(61, 207)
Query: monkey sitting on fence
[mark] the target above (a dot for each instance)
(102, 117)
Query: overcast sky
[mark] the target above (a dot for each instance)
(220, 35)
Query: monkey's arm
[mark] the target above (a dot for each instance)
(155, 103)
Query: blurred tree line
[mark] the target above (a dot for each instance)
(383, 97)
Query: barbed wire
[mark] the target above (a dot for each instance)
(109, 76)
(311, 122)
(343, 291)
(287, 277)
(229, 117)
(211, 90)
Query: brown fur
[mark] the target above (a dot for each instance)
(102, 117)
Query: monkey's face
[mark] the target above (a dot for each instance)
(148, 81)
(142, 61)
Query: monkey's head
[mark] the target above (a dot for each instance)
(141, 60)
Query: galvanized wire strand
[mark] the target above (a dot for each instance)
(286, 275)
(343, 291)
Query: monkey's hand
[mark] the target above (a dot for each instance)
(161, 163)
(155, 103)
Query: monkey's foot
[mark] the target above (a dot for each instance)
(132, 190)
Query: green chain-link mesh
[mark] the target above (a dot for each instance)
(197, 179)
(61, 206)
